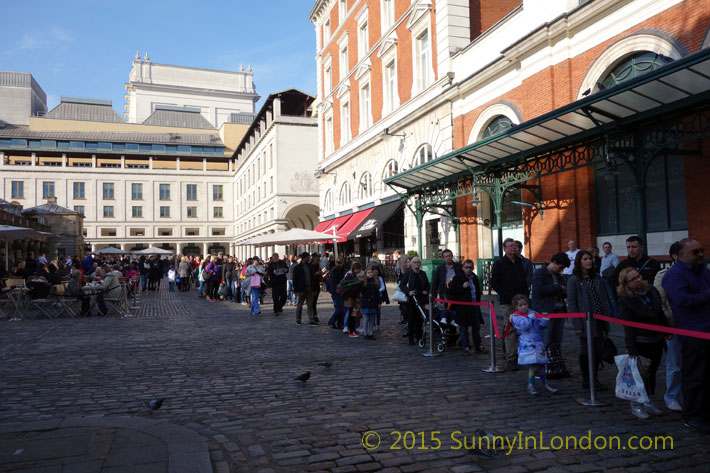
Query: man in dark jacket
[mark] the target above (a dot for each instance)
(302, 285)
(548, 296)
(508, 279)
(337, 273)
(277, 272)
(442, 276)
(645, 265)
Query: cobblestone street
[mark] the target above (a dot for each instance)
(72, 395)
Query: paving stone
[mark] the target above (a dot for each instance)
(228, 380)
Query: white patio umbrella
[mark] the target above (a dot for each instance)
(110, 251)
(153, 251)
(9, 232)
(294, 235)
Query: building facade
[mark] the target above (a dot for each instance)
(219, 96)
(497, 66)
(382, 67)
(20, 93)
(274, 172)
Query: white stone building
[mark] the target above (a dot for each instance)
(275, 164)
(220, 96)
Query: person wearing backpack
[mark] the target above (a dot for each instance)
(337, 273)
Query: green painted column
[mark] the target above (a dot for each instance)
(419, 215)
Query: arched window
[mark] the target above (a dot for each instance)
(423, 154)
(498, 125)
(346, 194)
(634, 66)
(328, 202)
(391, 169)
(365, 191)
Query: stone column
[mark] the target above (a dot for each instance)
(34, 159)
(150, 162)
(93, 160)
(177, 163)
(123, 161)
(64, 160)
(204, 164)
(204, 248)
(2, 158)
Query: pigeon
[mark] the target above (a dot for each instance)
(304, 377)
(586, 92)
(155, 404)
(327, 364)
(601, 86)
(487, 453)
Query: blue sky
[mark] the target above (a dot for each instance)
(84, 48)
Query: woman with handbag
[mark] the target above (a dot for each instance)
(640, 302)
(585, 293)
(415, 284)
(255, 273)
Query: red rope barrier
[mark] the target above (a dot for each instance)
(655, 328)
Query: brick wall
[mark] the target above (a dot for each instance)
(486, 13)
(569, 196)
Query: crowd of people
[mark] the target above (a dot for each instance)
(634, 289)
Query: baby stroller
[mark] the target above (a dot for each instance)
(443, 335)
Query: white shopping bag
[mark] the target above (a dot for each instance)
(629, 384)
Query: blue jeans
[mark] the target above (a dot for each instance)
(611, 295)
(674, 360)
(290, 293)
(369, 323)
(475, 333)
(144, 281)
(255, 300)
(338, 314)
(171, 286)
(230, 284)
(200, 291)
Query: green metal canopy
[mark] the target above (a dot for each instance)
(673, 87)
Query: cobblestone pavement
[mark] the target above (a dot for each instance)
(229, 377)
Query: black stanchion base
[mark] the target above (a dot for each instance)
(588, 402)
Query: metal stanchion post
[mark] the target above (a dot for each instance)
(592, 401)
(431, 351)
(492, 368)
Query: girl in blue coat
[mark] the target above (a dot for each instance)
(531, 348)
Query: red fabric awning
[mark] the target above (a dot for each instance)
(336, 223)
(355, 220)
(323, 225)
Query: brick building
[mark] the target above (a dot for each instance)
(592, 169)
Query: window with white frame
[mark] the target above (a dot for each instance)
(326, 32)
(328, 134)
(366, 190)
(342, 10)
(422, 60)
(387, 9)
(345, 133)
(343, 60)
(365, 107)
(391, 168)
(327, 79)
(362, 39)
(328, 202)
(423, 154)
(389, 96)
(346, 194)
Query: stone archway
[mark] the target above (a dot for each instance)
(302, 216)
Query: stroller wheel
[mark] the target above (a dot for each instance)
(440, 347)
(421, 343)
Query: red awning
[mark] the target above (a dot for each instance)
(355, 220)
(323, 225)
(336, 223)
